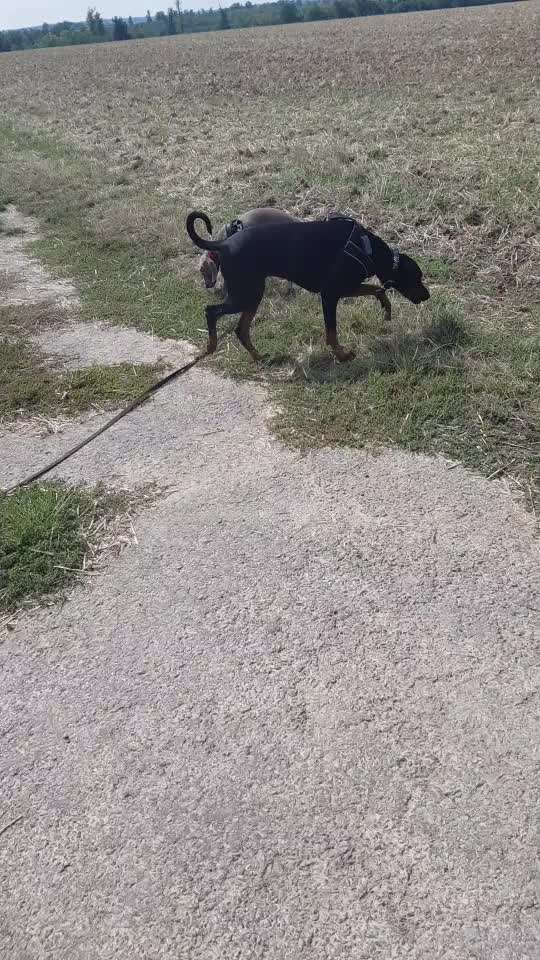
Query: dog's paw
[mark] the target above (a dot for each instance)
(275, 359)
(343, 356)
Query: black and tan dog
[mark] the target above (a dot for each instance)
(332, 257)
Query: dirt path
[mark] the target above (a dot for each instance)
(296, 721)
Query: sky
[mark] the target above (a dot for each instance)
(31, 13)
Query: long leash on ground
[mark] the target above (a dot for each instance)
(118, 416)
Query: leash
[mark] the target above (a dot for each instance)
(137, 402)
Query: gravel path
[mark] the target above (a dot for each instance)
(297, 720)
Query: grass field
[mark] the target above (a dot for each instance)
(51, 535)
(423, 125)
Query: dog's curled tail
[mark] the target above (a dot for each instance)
(197, 240)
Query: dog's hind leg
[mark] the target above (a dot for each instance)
(243, 334)
(329, 305)
(213, 313)
(245, 303)
(221, 286)
(250, 300)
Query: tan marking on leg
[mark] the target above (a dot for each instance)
(243, 334)
(371, 290)
(340, 354)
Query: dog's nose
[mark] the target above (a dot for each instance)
(421, 295)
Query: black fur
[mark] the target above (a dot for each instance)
(310, 254)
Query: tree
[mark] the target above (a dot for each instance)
(179, 16)
(94, 22)
(344, 9)
(289, 12)
(15, 40)
(148, 17)
(223, 19)
(316, 11)
(366, 8)
(171, 21)
(120, 30)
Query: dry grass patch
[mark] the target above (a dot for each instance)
(17, 320)
(30, 383)
(8, 280)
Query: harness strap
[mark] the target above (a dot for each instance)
(358, 247)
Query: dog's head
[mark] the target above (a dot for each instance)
(407, 277)
(209, 268)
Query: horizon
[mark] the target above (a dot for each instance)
(33, 13)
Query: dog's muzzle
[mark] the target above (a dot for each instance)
(420, 295)
(415, 294)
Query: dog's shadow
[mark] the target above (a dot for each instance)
(428, 350)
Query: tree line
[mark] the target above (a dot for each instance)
(177, 20)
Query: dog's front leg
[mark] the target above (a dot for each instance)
(329, 305)
(370, 290)
(385, 304)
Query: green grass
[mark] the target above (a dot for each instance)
(439, 268)
(434, 384)
(457, 377)
(45, 534)
(418, 409)
(29, 384)
(118, 285)
(120, 279)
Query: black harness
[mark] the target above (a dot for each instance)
(358, 247)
